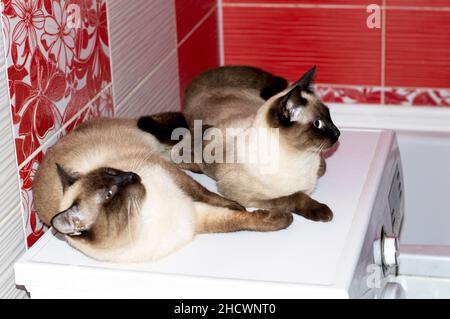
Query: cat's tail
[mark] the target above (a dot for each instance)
(162, 125)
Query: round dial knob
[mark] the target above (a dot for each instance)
(378, 252)
(390, 249)
(385, 251)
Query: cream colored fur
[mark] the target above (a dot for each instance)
(296, 170)
(168, 218)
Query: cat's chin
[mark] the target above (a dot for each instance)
(327, 152)
(322, 149)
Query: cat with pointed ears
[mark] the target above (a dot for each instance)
(107, 188)
(249, 98)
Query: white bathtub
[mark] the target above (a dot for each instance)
(425, 236)
(426, 165)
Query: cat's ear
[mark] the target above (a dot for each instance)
(307, 80)
(291, 106)
(70, 221)
(67, 178)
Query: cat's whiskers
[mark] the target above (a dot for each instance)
(321, 147)
(128, 218)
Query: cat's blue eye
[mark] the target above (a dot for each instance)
(109, 194)
(318, 124)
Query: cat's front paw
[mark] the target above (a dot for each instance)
(319, 213)
(271, 221)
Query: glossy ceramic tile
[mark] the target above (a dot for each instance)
(143, 34)
(417, 97)
(419, 3)
(158, 93)
(289, 41)
(418, 49)
(58, 50)
(300, 2)
(199, 52)
(365, 95)
(189, 13)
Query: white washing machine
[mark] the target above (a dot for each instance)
(354, 256)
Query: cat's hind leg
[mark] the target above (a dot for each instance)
(213, 219)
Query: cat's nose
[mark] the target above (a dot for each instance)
(336, 132)
(131, 177)
(126, 178)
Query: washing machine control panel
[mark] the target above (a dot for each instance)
(377, 266)
(396, 198)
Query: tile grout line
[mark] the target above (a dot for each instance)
(417, 8)
(64, 126)
(175, 44)
(330, 6)
(292, 5)
(197, 26)
(145, 78)
(383, 52)
(355, 86)
(110, 56)
(163, 61)
(220, 32)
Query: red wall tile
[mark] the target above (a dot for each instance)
(418, 48)
(52, 76)
(199, 53)
(189, 13)
(427, 3)
(289, 41)
(318, 2)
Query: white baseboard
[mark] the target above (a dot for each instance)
(405, 118)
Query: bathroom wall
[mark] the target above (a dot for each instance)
(197, 38)
(144, 56)
(58, 65)
(158, 50)
(12, 242)
(404, 62)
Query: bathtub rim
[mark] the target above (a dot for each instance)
(394, 117)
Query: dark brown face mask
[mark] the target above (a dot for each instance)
(103, 190)
(319, 132)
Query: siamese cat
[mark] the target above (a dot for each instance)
(246, 98)
(107, 188)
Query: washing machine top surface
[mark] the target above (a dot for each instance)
(308, 253)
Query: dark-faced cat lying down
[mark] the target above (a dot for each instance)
(248, 98)
(108, 189)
